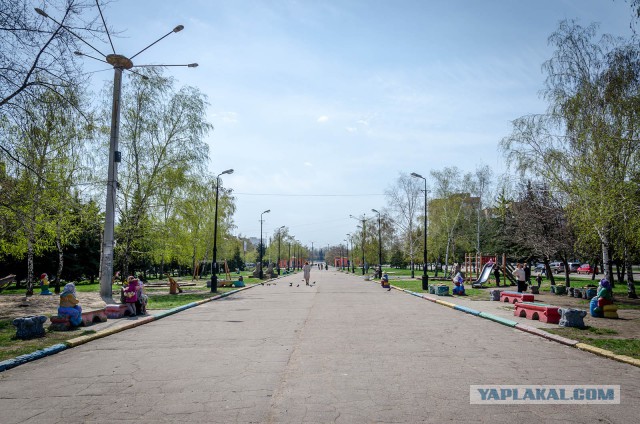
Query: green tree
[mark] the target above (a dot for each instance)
(405, 198)
(586, 145)
(162, 129)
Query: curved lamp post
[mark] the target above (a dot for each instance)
(425, 277)
(214, 274)
(261, 245)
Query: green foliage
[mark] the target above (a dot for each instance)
(236, 262)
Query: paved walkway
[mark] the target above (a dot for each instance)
(342, 351)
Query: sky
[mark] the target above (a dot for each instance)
(319, 106)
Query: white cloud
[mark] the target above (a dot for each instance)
(308, 164)
(323, 119)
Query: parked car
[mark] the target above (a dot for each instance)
(586, 269)
(573, 266)
(557, 267)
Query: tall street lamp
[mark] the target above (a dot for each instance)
(214, 274)
(119, 63)
(363, 219)
(279, 240)
(379, 242)
(349, 261)
(289, 260)
(347, 243)
(261, 245)
(311, 253)
(425, 277)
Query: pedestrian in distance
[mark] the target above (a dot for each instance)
(539, 278)
(496, 273)
(520, 277)
(306, 271)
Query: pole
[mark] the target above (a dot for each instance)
(363, 235)
(347, 242)
(108, 242)
(214, 274)
(279, 239)
(261, 274)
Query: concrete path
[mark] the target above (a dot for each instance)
(342, 351)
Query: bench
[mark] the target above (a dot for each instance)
(537, 311)
(61, 323)
(513, 297)
(117, 310)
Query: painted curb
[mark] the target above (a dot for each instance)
(627, 360)
(19, 360)
(77, 341)
(445, 303)
(467, 310)
(598, 351)
(546, 335)
(498, 319)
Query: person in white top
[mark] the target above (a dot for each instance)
(521, 278)
(306, 270)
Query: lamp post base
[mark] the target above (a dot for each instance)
(425, 282)
(214, 283)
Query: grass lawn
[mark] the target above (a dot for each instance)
(629, 347)
(10, 347)
(167, 301)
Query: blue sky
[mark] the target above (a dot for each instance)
(319, 105)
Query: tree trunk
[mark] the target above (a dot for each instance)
(619, 272)
(606, 259)
(60, 265)
(29, 266)
(631, 285)
(567, 278)
(596, 262)
(547, 267)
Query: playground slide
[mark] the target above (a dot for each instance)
(484, 275)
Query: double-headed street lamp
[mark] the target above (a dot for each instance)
(120, 63)
(425, 277)
(214, 274)
(261, 245)
(363, 219)
(379, 242)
